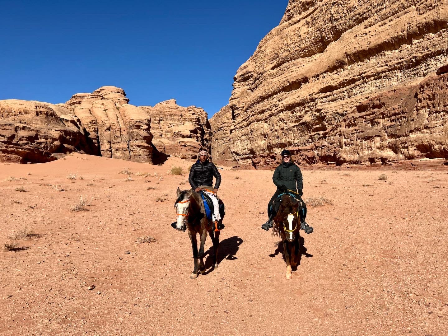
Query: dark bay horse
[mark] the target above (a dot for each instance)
(191, 213)
(287, 226)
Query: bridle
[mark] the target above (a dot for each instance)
(185, 215)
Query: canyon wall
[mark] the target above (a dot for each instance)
(100, 123)
(342, 81)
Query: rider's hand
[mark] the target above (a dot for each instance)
(197, 189)
(283, 188)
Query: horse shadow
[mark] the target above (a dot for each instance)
(228, 249)
(301, 252)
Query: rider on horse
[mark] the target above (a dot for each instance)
(201, 179)
(288, 179)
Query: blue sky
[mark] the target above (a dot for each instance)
(154, 50)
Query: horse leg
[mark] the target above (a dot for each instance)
(293, 256)
(194, 245)
(215, 240)
(287, 259)
(201, 251)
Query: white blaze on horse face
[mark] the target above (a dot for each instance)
(182, 211)
(290, 218)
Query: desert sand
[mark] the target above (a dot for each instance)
(87, 248)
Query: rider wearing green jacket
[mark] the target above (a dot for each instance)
(287, 176)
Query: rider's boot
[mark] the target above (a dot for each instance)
(305, 227)
(220, 225)
(266, 226)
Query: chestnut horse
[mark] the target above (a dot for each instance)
(287, 226)
(191, 213)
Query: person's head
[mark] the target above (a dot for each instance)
(203, 156)
(286, 155)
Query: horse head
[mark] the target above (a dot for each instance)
(288, 218)
(182, 206)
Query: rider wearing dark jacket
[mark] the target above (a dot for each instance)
(202, 173)
(287, 176)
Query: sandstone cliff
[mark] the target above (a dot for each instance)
(179, 131)
(344, 81)
(34, 132)
(100, 123)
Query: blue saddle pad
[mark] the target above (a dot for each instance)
(208, 211)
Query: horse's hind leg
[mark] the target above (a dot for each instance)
(287, 254)
(201, 251)
(194, 245)
(215, 239)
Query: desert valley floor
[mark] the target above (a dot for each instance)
(87, 248)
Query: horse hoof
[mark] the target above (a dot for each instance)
(288, 276)
(193, 275)
(216, 265)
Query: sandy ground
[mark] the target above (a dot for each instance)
(376, 263)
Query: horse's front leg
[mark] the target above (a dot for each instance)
(287, 259)
(215, 239)
(194, 245)
(201, 250)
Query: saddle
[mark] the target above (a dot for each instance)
(276, 203)
(209, 208)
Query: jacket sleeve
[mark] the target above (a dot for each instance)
(276, 178)
(298, 177)
(217, 175)
(190, 178)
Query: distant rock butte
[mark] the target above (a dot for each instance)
(342, 81)
(99, 123)
(179, 131)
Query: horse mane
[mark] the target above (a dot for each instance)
(181, 196)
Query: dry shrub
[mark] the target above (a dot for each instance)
(24, 233)
(21, 189)
(14, 247)
(318, 201)
(160, 199)
(58, 187)
(80, 206)
(151, 188)
(177, 171)
(146, 239)
(237, 177)
(71, 176)
(125, 172)
(382, 177)
(128, 179)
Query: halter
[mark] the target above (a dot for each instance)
(185, 215)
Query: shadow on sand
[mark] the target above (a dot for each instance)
(228, 249)
(302, 251)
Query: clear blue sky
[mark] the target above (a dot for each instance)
(154, 50)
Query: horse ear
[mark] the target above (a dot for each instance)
(178, 192)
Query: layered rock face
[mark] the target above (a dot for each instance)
(100, 123)
(115, 128)
(35, 132)
(179, 131)
(343, 81)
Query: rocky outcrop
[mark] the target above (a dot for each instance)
(179, 131)
(115, 128)
(343, 81)
(35, 132)
(100, 123)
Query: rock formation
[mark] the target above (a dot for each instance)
(115, 128)
(179, 131)
(35, 132)
(100, 123)
(344, 81)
